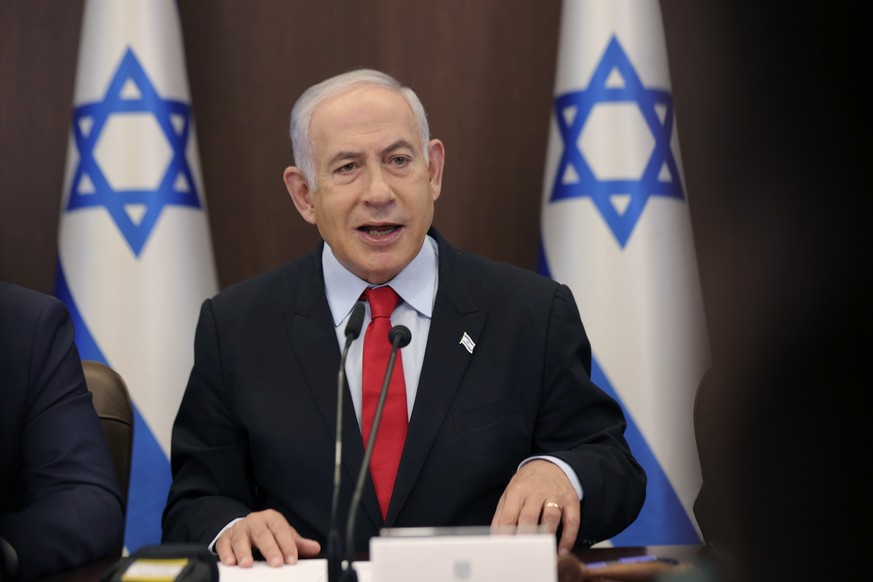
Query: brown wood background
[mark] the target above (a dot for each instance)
(484, 70)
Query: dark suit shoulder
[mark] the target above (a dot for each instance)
(504, 272)
(496, 282)
(27, 317)
(20, 306)
(47, 415)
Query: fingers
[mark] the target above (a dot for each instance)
(552, 512)
(306, 547)
(505, 514)
(224, 551)
(541, 494)
(516, 508)
(294, 546)
(233, 548)
(572, 520)
(263, 536)
(270, 533)
(521, 504)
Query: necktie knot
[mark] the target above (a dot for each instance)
(382, 301)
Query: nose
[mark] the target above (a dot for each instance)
(379, 192)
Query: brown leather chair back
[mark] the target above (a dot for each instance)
(115, 410)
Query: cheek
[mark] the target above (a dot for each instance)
(330, 211)
(426, 208)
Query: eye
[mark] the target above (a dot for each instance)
(346, 168)
(399, 161)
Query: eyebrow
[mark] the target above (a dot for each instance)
(398, 145)
(344, 155)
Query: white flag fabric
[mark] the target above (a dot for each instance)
(616, 229)
(135, 257)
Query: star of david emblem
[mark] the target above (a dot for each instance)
(132, 154)
(615, 106)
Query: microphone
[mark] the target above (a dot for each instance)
(334, 551)
(399, 336)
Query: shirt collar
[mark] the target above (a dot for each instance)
(416, 283)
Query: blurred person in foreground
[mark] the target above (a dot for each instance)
(60, 505)
(784, 414)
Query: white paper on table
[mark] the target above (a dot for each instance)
(302, 571)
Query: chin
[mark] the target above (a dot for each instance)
(381, 274)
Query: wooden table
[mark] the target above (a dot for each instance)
(93, 571)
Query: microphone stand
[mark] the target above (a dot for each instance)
(399, 336)
(334, 544)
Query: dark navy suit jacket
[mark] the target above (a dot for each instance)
(256, 426)
(59, 500)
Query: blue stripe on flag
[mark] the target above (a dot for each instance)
(150, 468)
(662, 520)
(88, 348)
(149, 484)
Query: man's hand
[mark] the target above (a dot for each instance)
(269, 532)
(540, 493)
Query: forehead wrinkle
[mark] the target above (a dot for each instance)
(369, 121)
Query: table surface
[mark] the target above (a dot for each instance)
(93, 571)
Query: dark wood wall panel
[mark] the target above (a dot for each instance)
(38, 47)
(484, 69)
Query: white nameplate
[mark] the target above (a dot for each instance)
(398, 556)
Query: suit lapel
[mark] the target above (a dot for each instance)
(445, 362)
(311, 333)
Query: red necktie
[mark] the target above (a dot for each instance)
(392, 427)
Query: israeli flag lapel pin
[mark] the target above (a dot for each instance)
(467, 342)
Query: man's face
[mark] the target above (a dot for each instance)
(376, 194)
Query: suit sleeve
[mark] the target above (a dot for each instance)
(581, 425)
(72, 512)
(213, 479)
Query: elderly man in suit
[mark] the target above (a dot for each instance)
(499, 422)
(60, 505)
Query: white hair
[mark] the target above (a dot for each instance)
(301, 113)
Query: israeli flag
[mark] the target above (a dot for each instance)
(616, 229)
(135, 257)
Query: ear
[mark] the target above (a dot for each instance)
(436, 159)
(300, 193)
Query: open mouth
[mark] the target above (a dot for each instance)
(380, 230)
